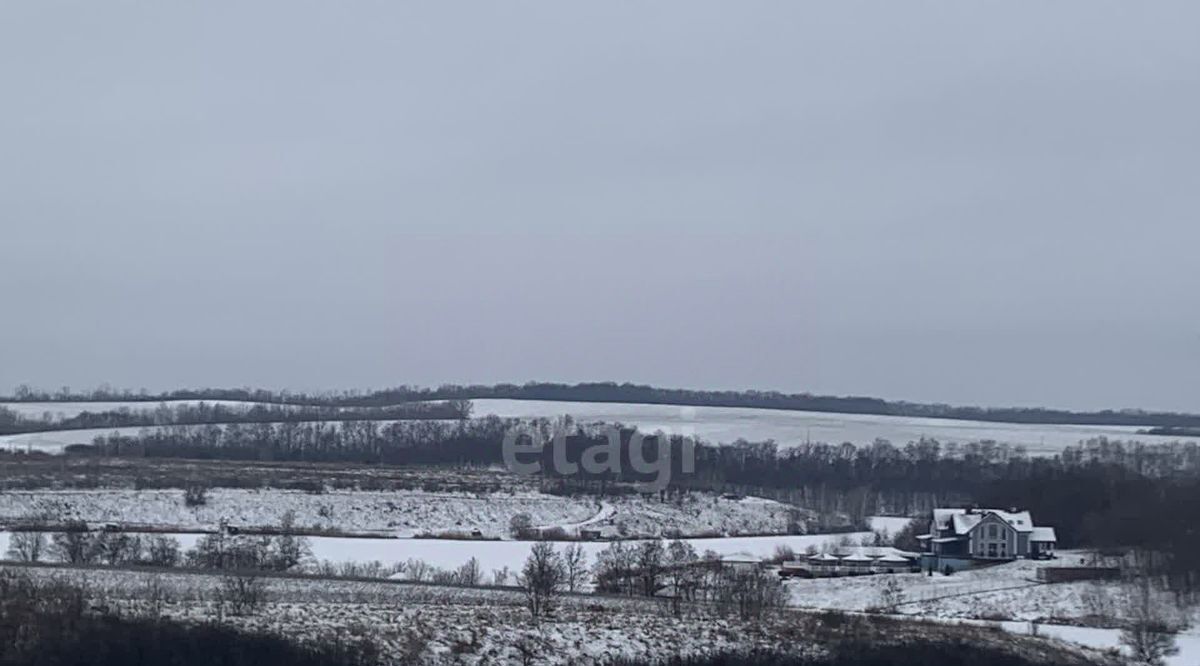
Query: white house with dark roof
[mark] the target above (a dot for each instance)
(987, 534)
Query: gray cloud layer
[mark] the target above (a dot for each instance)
(966, 202)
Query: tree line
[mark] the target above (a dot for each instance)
(13, 422)
(635, 393)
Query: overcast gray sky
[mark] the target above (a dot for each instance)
(977, 203)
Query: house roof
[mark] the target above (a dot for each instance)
(964, 520)
(742, 557)
(857, 557)
(824, 557)
(894, 559)
(880, 551)
(1043, 534)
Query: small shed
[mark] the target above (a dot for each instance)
(1042, 541)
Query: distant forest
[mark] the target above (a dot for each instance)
(12, 422)
(1099, 494)
(635, 393)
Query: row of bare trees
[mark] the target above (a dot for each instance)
(78, 546)
(674, 573)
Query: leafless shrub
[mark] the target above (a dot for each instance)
(242, 593)
(27, 546)
(521, 526)
(891, 593)
(195, 495)
(156, 594)
(783, 553)
(529, 645)
(1148, 635)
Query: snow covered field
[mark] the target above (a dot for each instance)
(1188, 642)
(488, 621)
(481, 626)
(394, 513)
(1006, 594)
(492, 555)
(406, 513)
(715, 424)
(1008, 591)
(789, 428)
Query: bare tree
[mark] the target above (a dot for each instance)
(683, 572)
(27, 546)
(1148, 634)
(614, 568)
(244, 592)
(529, 646)
(419, 570)
(116, 548)
(195, 495)
(783, 553)
(575, 563)
(162, 551)
(650, 565)
(157, 596)
(906, 538)
(520, 526)
(541, 579)
(469, 573)
(75, 546)
(288, 550)
(891, 593)
(749, 593)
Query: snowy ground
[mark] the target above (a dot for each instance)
(446, 625)
(438, 625)
(1003, 592)
(407, 512)
(1006, 595)
(788, 428)
(403, 513)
